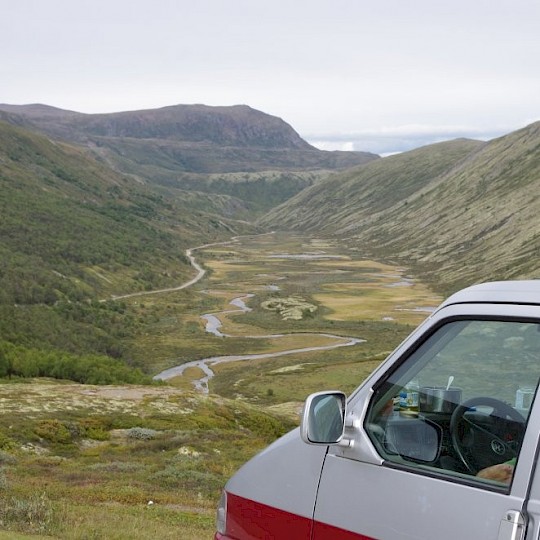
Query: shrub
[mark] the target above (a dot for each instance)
(263, 424)
(95, 428)
(188, 479)
(143, 434)
(53, 431)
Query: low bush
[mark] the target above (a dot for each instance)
(95, 428)
(53, 431)
(189, 479)
(31, 514)
(142, 434)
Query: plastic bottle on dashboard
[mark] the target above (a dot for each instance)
(409, 398)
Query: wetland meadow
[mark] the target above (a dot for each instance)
(299, 301)
(273, 318)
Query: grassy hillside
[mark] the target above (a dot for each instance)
(260, 190)
(120, 463)
(351, 198)
(458, 212)
(73, 231)
(478, 222)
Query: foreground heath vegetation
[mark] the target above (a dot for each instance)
(81, 461)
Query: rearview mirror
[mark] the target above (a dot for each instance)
(323, 418)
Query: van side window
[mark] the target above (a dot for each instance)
(459, 404)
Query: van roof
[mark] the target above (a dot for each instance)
(498, 292)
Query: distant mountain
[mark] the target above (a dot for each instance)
(457, 212)
(187, 138)
(239, 125)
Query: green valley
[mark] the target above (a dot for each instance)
(158, 454)
(217, 250)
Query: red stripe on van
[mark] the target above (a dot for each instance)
(250, 520)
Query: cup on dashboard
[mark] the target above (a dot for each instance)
(438, 399)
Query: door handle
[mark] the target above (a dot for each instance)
(512, 526)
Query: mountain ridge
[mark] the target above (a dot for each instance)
(243, 138)
(237, 125)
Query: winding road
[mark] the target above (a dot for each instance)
(200, 273)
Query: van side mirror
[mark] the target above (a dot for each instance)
(323, 418)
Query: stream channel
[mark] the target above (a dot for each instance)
(213, 325)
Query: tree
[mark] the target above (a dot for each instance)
(6, 363)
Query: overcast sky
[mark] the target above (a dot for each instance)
(377, 75)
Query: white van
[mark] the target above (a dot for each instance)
(441, 442)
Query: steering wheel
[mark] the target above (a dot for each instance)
(480, 439)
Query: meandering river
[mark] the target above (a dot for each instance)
(213, 325)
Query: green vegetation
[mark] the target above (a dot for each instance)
(74, 232)
(261, 190)
(73, 229)
(17, 361)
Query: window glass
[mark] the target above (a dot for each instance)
(459, 404)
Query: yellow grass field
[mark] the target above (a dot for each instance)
(353, 301)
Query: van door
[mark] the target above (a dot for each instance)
(443, 437)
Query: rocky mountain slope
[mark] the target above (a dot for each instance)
(457, 212)
(239, 125)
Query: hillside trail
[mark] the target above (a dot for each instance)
(200, 271)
